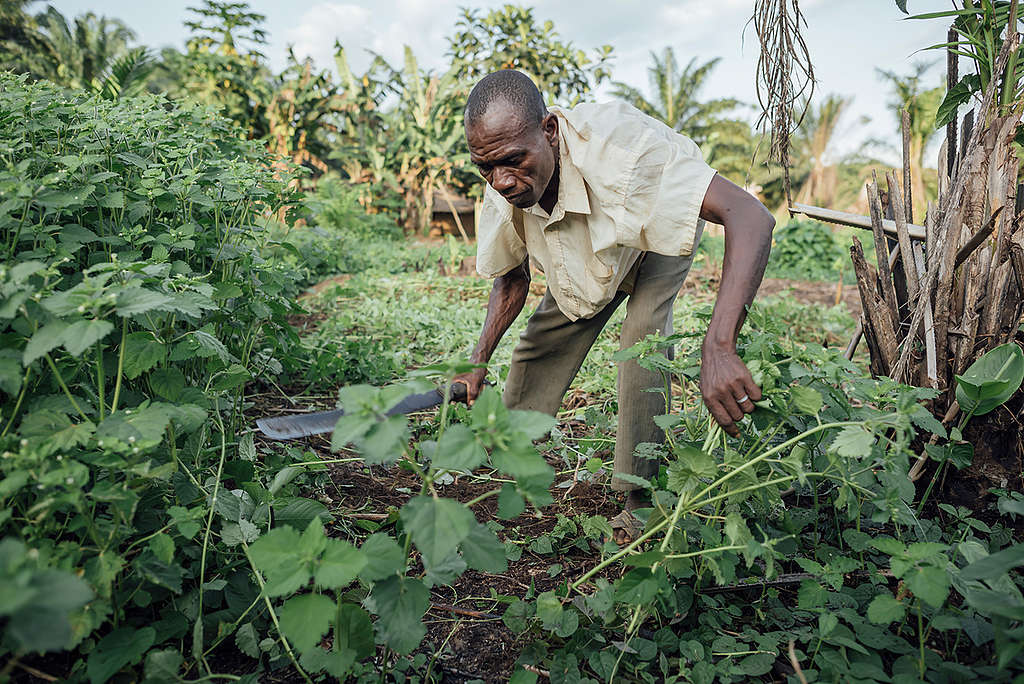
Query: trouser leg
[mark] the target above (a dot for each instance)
(549, 354)
(649, 310)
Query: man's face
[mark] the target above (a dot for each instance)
(515, 158)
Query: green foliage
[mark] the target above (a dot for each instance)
(511, 38)
(137, 302)
(991, 380)
(805, 250)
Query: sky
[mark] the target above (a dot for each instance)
(847, 39)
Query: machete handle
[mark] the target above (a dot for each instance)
(459, 390)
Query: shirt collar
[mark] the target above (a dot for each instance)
(572, 189)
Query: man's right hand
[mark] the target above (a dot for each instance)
(474, 382)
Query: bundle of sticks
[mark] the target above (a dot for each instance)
(946, 292)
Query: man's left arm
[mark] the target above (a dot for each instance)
(728, 388)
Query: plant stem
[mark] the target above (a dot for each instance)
(100, 379)
(485, 495)
(120, 369)
(67, 392)
(198, 653)
(17, 404)
(273, 615)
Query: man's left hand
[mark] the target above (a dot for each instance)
(728, 388)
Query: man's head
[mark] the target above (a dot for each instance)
(513, 140)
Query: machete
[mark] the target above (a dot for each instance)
(306, 424)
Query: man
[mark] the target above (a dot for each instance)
(609, 203)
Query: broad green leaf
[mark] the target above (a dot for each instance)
(554, 617)
(339, 565)
(806, 400)
(132, 301)
(929, 583)
(400, 603)
(11, 372)
(163, 666)
(853, 441)
(274, 556)
(233, 534)
(884, 609)
(166, 575)
(247, 640)
(437, 526)
(637, 587)
(81, 335)
(458, 450)
(483, 551)
(355, 631)
(141, 353)
(305, 619)
(532, 473)
(298, 511)
(510, 503)
(123, 646)
(958, 95)
(533, 424)
(991, 380)
(995, 565)
(43, 341)
(384, 557)
(811, 595)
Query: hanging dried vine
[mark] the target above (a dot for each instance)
(785, 77)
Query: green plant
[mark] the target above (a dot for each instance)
(446, 536)
(136, 305)
(805, 250)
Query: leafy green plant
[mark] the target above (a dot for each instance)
(437, 534)
(980, 26)
(136, 305)
(806, 250)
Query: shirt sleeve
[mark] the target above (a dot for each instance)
(499, 248)
(665, 194)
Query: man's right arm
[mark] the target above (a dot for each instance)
(508, 296)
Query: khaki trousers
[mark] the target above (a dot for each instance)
(552, 348)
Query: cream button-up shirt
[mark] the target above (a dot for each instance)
(627, 184)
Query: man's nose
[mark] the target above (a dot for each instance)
(503, 180)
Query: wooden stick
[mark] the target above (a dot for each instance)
(908, 207)
(931, 367)
(882, 256)
(976, 239)
(952, 77)
(455, 214)
(909, 267)
(859, 330)
(878, 320)
(843, 218)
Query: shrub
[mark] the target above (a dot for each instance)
(806, 250)
(135, 304)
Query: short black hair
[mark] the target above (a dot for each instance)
(515, 88)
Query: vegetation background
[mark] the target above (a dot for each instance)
(193, 237)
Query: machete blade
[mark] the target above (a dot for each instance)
(306, 424)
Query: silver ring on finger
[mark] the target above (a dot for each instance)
(743, 399)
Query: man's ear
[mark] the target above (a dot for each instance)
(549, 124)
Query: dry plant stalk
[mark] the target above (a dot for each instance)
(784, 75)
